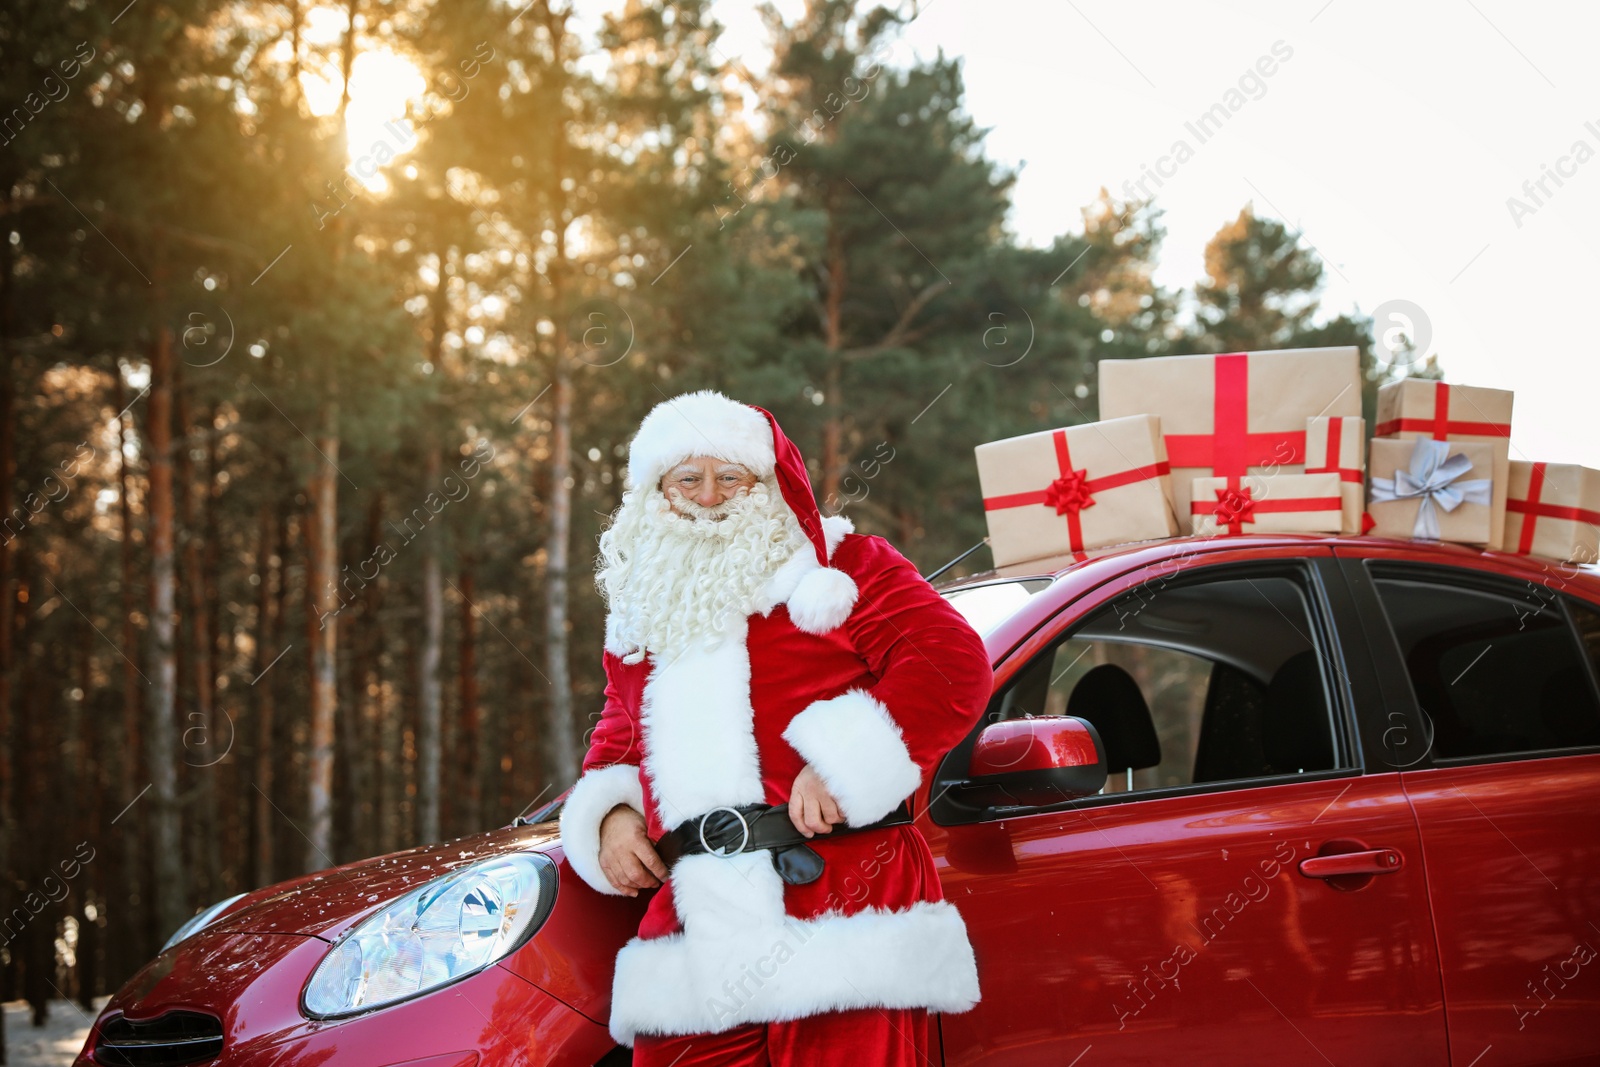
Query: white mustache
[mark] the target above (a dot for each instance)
(696, 512)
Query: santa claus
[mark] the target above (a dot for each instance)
(777, 687)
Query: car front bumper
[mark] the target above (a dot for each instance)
(251, 984)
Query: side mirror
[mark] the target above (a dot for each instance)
(1042, 759)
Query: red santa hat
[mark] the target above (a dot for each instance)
(706, 423)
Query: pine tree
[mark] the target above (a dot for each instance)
(1263, 290)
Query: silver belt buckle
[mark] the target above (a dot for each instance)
(743, 825)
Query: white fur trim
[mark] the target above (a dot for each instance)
(704, 423)
(857, 748)
(834, 527)
(709, 980)
(823, 600)
(699, 739)
(782, 585)
(718, 896)
(613, 643)
(591, 800)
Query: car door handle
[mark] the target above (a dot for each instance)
(1376, 861)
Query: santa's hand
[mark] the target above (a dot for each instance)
(627, 858)
(812, 808)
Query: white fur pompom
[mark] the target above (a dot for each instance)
(823, 599)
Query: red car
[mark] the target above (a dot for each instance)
(1245, 800)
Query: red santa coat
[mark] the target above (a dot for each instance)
(872, 703)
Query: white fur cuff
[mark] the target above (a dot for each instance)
(857, 748)
(591, 800)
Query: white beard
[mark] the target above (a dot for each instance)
(674, 582)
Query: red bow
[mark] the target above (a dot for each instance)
(1234, 506)
(1070, 492)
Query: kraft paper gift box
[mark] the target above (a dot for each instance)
(1553, 510)
(1431, 490)
(1277, 503)
(1339, 446)
(1416, 407)
(1068, 490)
(1046, 565)
(1226, 416)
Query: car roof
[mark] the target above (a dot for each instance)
(1588, 574)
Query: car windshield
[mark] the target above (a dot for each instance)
(987, 606)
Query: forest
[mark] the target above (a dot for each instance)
(324, 329)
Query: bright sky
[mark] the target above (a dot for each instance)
(1392, 136)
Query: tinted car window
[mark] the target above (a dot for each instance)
(1206, 681)
(1496, 672)
(1587, 619)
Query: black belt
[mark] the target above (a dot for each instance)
(729, 831)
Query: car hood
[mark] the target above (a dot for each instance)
(328, 903)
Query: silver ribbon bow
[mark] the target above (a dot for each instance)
(1432, 479)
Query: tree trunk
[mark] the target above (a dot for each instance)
(370, 698)
(8, 470)
(561, 736)
(468, 766)
(389, 719)
(348, 768)
(38, 933)
(429, 718)
(161, 753)
(200, 739)
(269, 571)
(90, 796)
(233, 838)
(129, 856)
(833, 458)
(410, 821)
(527, 736)
(322, 605)
(322, 565)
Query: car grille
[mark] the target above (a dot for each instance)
(172, 1038)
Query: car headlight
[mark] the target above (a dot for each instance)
(201, 920)
(440, 932)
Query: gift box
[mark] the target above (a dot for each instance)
(1433, 490)
(1230, 415)
(1338, 446)
(1416, 407)
(1277, 503)
(1047, 565)
(1068, 490)
(1553, 510)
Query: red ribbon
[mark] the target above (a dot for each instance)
(1074, 490)
(1069, 493)
(1532, 510)
(1441, 426)
(1236, 506)
(1331, 460)
(1230, 449)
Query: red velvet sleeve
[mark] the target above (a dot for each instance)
(874, 744)
(610, 773)
(933, 669)
(614, 737)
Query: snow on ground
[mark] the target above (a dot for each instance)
(51, 1045)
